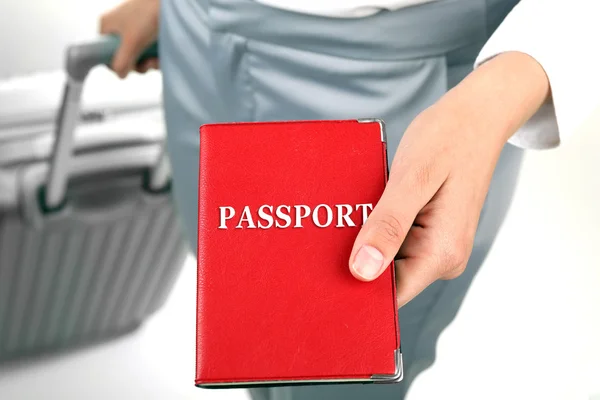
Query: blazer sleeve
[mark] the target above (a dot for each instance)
(563, 36)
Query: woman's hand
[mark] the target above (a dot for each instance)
(441, 173)
(136, 23)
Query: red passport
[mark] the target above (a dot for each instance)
(280, 205)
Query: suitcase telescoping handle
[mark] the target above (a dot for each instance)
(80, 59)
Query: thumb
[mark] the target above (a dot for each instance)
(409, 189)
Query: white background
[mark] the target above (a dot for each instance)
(529, 328)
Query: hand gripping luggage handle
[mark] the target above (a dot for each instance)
(83, 57)
(80, 59)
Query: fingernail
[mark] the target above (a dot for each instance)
(367, 263)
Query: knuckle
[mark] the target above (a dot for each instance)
(453, 274)
(390, 229)
(456, 258)
(412, 174)
(106, 19)
(422, 173)
(103, 23)
(416, 175)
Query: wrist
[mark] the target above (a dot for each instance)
(501, 95)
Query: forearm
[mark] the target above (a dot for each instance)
(562, 37)
(500, 96)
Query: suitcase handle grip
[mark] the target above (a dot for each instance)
(81, 58)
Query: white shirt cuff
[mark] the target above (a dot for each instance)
(562, 37)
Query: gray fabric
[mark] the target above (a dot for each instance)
(236, 60)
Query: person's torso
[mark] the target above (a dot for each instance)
(341, 8)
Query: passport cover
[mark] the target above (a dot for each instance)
(280, 205)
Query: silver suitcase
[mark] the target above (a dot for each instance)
(90, 245)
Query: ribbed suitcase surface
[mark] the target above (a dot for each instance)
(90, 244)
(73, 279)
